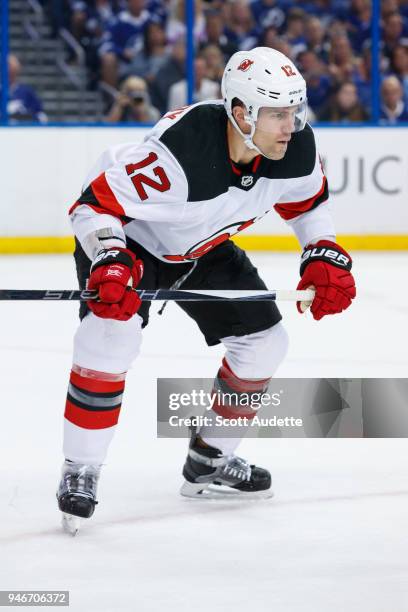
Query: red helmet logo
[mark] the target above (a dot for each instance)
(245, 65)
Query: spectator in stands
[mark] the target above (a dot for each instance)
(24, 105)
(152, 57)
(318, 81)
(343, 64)
(240, 27)
(359, 23)
(78, 18)
(325, 10)
(315, 38)
(133, 104)
(401, 7)
(159, 10)
(295, 30)
(204, 89)
(176, 26)
(91, 19)
(393, 34)
(214, 34)
(267, 13)
(214, 59)
(89, 22)
(269, 37)
(335, 29)
(363, 80)
(389, 7)
(284, 47)
(345, 106)
(173, 70)
(123, 40)
(59, 14)
(399, 67)
(393, 109)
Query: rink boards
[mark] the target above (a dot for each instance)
(365, 168)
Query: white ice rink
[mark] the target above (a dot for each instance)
(333, 539)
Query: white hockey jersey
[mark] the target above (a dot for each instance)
(178, 194)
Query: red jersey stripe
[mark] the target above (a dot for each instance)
(290, 210)
(234, 169)
(97, 209)
(106, 197)
(257, 161)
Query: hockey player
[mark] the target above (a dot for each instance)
(160, 214)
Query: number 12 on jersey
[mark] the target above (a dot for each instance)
(139, 179)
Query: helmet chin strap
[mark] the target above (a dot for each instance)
(247, 138)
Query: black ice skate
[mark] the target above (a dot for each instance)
(210, 474)
(76, 494)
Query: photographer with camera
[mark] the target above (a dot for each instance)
(133, 104)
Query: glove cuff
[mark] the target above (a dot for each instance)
(327, 251)
(114, 256)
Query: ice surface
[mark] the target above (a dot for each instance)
(334, 538)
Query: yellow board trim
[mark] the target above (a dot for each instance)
(24, 245)
(374, 242)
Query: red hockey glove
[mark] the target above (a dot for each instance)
(326, 267)
(111, 271)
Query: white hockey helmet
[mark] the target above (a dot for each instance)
(263, 78)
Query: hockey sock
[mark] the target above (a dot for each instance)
(234, 397)
(91, 414)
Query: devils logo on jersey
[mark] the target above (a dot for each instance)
(206, 245)
(245, 65)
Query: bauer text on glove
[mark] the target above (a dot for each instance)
(326, 266)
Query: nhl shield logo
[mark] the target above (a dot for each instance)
(247, 181)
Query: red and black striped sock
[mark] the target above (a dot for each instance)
(94, 398)
(233, 397)
(227, 385)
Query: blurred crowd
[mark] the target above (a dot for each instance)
(136, 51)
(24, 105)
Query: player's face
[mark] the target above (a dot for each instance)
(274, 129)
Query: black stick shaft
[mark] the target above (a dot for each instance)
(145, 295)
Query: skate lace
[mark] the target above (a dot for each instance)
(81, 480)
(236, 467)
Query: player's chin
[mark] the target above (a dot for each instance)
(278, 152)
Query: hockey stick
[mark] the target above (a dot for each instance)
(149, 295)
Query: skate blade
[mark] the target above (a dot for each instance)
(70, 523)
(195, 490)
